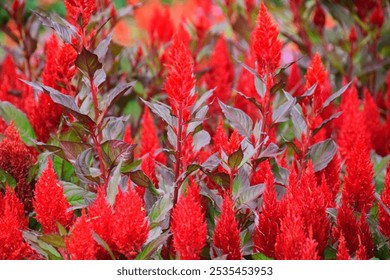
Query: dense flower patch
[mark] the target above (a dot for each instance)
(238, 130)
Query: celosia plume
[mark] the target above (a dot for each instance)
(384, 216)
(16, 159)
(80, 244)
(80, 9)
(342, 250)
(130, 226)
(188, 225)
(100, 215)
(50, 204)
(180, 81)
(265, 43)
(227, 235)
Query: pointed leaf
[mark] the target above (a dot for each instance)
(88, 62)
(140, 179)
(322, 153)
(335, 95)
(235, 158)
(281, 113)
(238, 119)
(112, 189)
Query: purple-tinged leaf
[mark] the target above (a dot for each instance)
(88, 63)
(335, 95)
(73, 149)
(322, 153)
(238, 119)
(323, 123)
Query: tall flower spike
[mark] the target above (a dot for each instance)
(358, 190)
(82, 9)
(12, 221)
(221, 74)
(384, 216)
(80, 244)
(227, 235)
(130, 225)
(316, 73)
(188, 225)
(264, 236)
(342, 250)
(100, 215)
(149, 139)
(49, 202)
(180, 81)
(16, 159)
(265, 43)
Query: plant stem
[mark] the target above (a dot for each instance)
(178, 156)
(97, 137)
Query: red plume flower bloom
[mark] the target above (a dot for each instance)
(227, 235)
(12, 89)
(377, 17)
(161, 28)
(80, 244)
(149, 138)
(319, 17)
(180, 81)
(80, 9)
(12, 221)
(361, 252)
(342, 250)
(100, 215)
(295, 81)
(332, 174)
(188, 225)
(384, 217)
(316, 73)
(58, 73)
(358, 190)
(371, 117)
(16, 159)
(49, 202)
(130, 226)
(221, 74)
(264, 236)
(265, 43)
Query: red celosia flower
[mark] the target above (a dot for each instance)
(227, 235)
(342, 250)
(80, 244)
(384, 217)
(352, 34)
(16, 159)
(332, 174)
(12, 221)
(358, 190)
(148, 166)
(264, 236)
(12, 89)
(100, 215)
(371, 117)
(292, 242)
(161, 27)
(127, 135)
(377, 17)
(295, 82)
(180, 81)
(49, 202)
(58, 73)
(361, 251)
(149, 138)
(188, 225)
(130, 226)
(352, 123)
(221, 74)
(265, 43)
(82, 9)
(348, 225)
(319, 17)
(316, 73)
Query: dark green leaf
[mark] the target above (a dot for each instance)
(235, 158)
(152, 246)
(160, 209)
(220, 178)
(115, 151)
(260, 256)
(335, 95)
(140, 179)
(73, 149)
(323, 123)
(10, 113)
(63, 28)
(6, 179)
(104, 244)
(112, 189)
(238, 119)
(281, 114)
(53, 239)
(83, 170)
(322, 153)
(191, 168)
(76, 195)
(88, 62)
